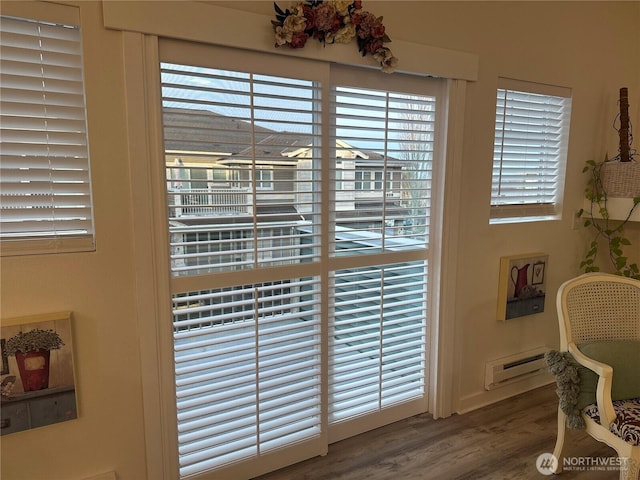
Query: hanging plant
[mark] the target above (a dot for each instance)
(334, 21)
(609, 179)
(607, 229)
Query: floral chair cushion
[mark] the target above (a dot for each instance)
(627, 422)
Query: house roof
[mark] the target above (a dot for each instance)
(226, 139)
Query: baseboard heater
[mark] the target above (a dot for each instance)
(514, 368)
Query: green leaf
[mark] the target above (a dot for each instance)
(625, 241)
(277, 8)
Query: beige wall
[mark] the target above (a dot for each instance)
(98, 288)
(592, 47)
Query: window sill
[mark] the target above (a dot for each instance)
(18, 247)
(539, 218)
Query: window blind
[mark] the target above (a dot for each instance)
(377, 338)
(44, 173)
(530, 148)
(248, 176)
(384, 143)
(242, 162)
(382, 173)
(247, 362)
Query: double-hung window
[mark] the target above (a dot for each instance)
(45, 199)
(530, 151)
(264, 178)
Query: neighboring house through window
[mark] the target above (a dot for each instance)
(264, 178)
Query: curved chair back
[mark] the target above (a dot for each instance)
(597, 307)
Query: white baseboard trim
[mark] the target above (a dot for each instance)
(487, 397)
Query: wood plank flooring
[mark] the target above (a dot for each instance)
(498, 442)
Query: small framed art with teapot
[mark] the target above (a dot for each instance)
(521, 289)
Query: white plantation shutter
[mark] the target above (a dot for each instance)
(530, 150)
(383, 168)
(377, 338)
(44, 174)
(242, 163)
(385, 141)
(285, 335)
(247, 371)
(231, 131)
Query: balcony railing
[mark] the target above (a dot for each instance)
(210, 202)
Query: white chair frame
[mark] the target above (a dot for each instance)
(596, 307)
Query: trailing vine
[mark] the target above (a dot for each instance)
(607, 229)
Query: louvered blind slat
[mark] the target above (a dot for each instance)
(531, 135)
(44, 168)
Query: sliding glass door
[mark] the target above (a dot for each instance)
(298, 201)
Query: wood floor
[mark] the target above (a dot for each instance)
(501, 441)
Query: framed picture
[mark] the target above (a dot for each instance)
(521, 289)
(537, 277)
(38, 379)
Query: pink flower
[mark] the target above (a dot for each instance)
(366, 23)
(310, 14)
(373, 45)
(378, 30)
(326, 16)
(333, 21)
(298, 40)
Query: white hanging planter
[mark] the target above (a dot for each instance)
(621, 179)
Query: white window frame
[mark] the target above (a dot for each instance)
(264, 178)
(520, 108)
(363, 180)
